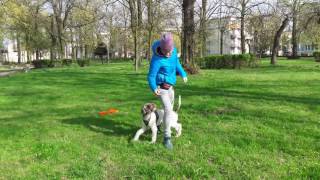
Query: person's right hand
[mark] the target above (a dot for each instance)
(157, 92)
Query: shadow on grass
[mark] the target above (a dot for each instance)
(105, 125)
(214, 92)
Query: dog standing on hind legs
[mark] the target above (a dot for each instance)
(152, 119)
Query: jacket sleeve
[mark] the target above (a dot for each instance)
(180, 70)
(152, 75)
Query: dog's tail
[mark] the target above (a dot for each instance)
(179, 104)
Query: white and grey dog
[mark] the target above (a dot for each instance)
(152, 119)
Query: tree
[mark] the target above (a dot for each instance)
(188, 43)
(281, 14)
(276, 41)
(2, 4)
(25, 19)
(61, 12)
(311, 25)
(206, 11)
(124, 29)
(154, 15)
(295, 7)
(243, 8)
(101, 50)
(262, 26)
(136, 22)
(83, 25)
(303, 12)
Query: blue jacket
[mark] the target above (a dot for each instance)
(163, 69)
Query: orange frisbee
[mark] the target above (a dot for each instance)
(108, 112)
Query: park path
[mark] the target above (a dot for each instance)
(14, 70)
(8, 73)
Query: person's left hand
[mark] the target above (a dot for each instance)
(185, 79)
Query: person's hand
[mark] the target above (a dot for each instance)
(185, 79)
(157, 92)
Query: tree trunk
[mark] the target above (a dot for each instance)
(18, 48)
(28, 56)
(243, 38)
(53, 40)
(149, 46)
(139, 33)
(294, 37)
(277, 40)
(108, 53)
(61, 10)
(72, 42)
(256, 43)
(37, 54)
(221, 40)
(188, 31)
(134, 28)
(27, 47)
(136, 50)
(86, 49)
(203, 28)
(125, 50)
(139, 5)
(36, 30)
(60, 34)
(150, 29)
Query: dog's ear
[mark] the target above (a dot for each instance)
(153, 107)
(144, 109)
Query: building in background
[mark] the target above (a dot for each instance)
(224, 36)
(9, 52)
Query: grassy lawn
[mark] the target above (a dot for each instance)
(260, 123)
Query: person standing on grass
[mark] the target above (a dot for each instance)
(162, 77)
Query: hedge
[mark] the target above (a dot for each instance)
(316, 56)
(83, 62)
(227, 61)
(47, 63)
(44, 63)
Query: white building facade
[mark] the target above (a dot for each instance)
(9, 52)
(228, 31)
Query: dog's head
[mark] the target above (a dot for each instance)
(148, 108)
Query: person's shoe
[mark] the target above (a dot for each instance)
(167, 143)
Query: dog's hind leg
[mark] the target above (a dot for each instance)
(139, 132)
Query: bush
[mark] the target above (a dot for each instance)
(83, 62)
(316, 56)
(293, 57)
(66, 62)
(227, 61)
(44, 63)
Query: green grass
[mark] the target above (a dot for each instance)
(260, 123)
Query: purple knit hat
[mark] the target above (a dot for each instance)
(166, 42)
